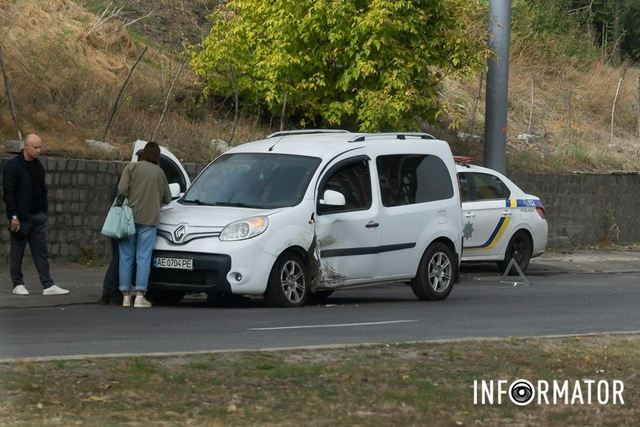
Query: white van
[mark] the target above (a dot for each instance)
(303, 213)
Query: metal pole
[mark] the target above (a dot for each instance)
(495, 133)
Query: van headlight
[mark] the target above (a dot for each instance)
(244, 229)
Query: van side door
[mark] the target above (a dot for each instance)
(416, 192)
(348, 233)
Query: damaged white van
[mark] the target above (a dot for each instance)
(303, 213)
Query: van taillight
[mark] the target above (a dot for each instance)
(541, 212)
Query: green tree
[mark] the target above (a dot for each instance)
(372, 64)
(616, 24)
(550, 32)
(630, 19)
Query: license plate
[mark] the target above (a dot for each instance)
(179, 263)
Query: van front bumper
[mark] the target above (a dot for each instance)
(208, 275)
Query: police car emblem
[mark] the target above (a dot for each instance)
(467, 231)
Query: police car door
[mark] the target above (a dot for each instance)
(485, 215)
(347, 231)
(169, 163)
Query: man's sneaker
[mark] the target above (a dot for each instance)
(55, 290)
(141, 302)
(126, 300)
(20, 290)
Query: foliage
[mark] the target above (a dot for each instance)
(616, 24)
(543, 32)
(560, 29)
(630, 19)
(375, 65)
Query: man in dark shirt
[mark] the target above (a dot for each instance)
(25, 196)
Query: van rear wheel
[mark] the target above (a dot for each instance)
(288, 282)
(436, 274)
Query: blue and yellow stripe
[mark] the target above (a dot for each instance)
(503, 223)
(494, 238)
(523, 203)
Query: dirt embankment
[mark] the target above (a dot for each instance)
(67, 63)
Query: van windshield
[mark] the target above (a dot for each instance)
(253, 180)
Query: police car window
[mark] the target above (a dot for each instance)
(412, 178)
(490, 187)
(465, 192)
(354, 182)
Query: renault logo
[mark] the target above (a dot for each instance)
(179, 233)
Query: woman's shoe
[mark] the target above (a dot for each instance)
(141, 302)
(126, 301)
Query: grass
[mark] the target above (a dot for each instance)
(402, 384)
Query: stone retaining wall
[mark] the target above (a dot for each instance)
(581, 208)
(586, 208)
(79, 197)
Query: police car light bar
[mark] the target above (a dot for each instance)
(462, 159)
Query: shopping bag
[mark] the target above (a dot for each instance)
(119, 221)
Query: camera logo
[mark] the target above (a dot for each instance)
(543, 392)
(521, 392)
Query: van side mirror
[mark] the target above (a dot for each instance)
(333, 198)
(175, 190)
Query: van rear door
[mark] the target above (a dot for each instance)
(169, 163)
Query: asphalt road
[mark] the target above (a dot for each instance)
(592, 297)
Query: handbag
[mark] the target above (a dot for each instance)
(119, 221)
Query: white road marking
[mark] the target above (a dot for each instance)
(335, 325)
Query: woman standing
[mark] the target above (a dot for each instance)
(145, 186)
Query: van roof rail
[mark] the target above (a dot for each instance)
(397, 135)
(304, 132)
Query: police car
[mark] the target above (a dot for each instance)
(500, 221)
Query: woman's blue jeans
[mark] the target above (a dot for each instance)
(137, 249)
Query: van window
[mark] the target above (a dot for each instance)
(254, 180)
(354, 182)
(413, 178)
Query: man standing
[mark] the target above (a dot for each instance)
(25, 196)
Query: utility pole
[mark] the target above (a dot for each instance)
(495, 130)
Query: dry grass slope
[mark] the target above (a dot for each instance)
(65, 77)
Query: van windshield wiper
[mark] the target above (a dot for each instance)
(234, 204)
(198, 202)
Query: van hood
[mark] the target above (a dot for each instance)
(208, 216)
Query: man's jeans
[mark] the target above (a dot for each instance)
(36, 236)
(137, 248)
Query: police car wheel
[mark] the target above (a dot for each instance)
(436, 274)
(288, 282)
(520, 247)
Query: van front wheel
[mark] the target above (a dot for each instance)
(288, 282)
(436, 274)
